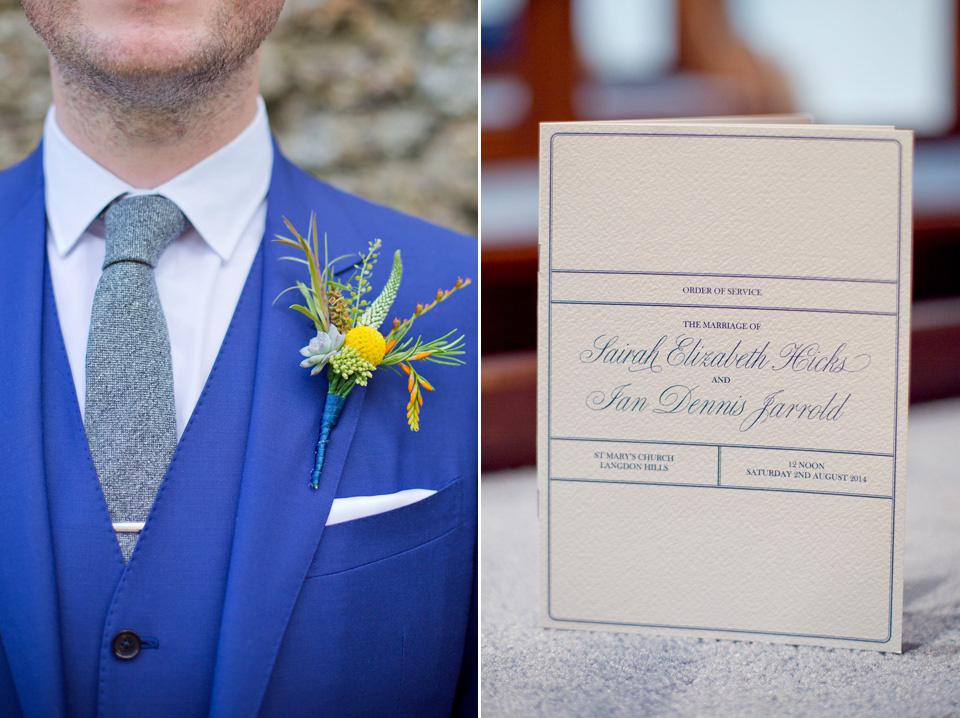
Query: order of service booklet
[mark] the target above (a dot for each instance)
(723, 345)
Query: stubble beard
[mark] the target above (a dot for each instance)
(147, 101)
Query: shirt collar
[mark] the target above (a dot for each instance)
(209, 193)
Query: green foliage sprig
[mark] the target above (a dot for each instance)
(347, 324)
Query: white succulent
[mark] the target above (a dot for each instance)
(321, 349)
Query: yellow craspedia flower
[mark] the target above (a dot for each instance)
(368, 343)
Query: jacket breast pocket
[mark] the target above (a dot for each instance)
(359, 542)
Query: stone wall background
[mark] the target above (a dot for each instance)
(378, 97)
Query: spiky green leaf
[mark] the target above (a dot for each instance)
(374, 314)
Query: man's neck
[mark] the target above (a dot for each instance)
(149, 146)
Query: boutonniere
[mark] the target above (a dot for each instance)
(348, 343)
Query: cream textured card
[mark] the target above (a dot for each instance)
(724, 334)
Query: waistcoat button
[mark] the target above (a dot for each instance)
(126, 645)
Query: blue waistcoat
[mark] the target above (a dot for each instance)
(173, 587)
(247, 604)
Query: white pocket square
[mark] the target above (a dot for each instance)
(351, 508)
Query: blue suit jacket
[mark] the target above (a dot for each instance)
(297, 595)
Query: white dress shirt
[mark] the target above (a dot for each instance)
(201, 274)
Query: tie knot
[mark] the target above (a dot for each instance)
(139, 229)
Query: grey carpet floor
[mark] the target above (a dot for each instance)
(531, 671)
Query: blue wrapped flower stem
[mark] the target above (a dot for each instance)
(331, 415)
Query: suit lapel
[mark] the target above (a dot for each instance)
(29, 618)
(279, 518)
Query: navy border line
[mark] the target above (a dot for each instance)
(550, 303)
(724, 630)
(723, 306)
(896, 381)
(729, 446)
(731, 487)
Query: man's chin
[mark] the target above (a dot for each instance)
(157, 76)
(143, 57)
(161, 59)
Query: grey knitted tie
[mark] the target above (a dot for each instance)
(130, 416)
